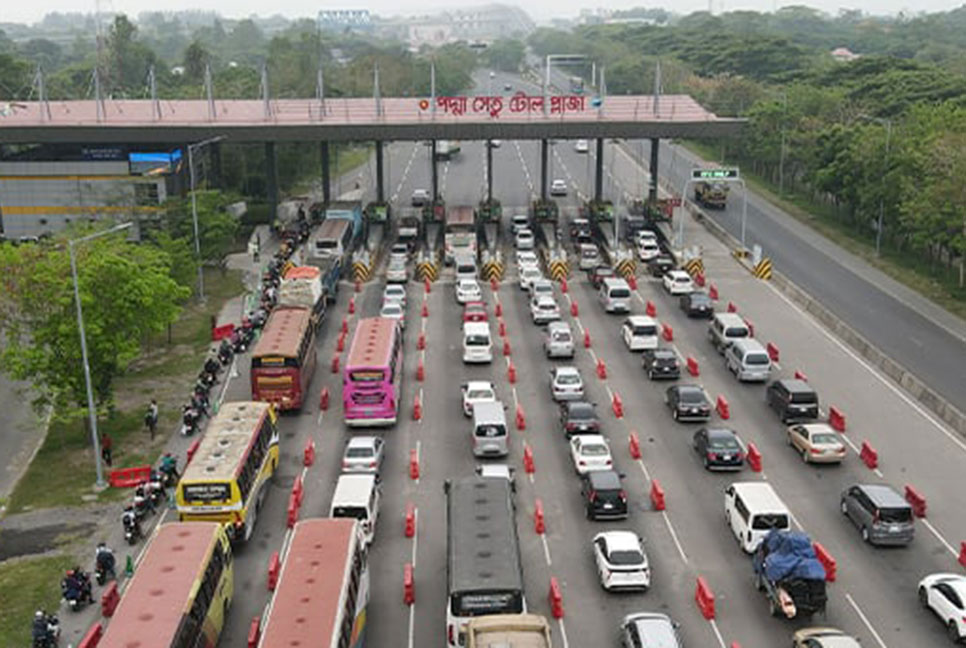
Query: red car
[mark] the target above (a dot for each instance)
(475, 311)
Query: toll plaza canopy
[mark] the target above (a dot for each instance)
(519, 116)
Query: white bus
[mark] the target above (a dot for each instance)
(484, 573)
(332, 240)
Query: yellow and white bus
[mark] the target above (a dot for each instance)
(180, 593)
(225, 481)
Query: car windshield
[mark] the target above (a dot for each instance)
(480, 394)
(626, 557)
(582, 412)
(765, 521)
(895, 516)
(391, 310)
(547, 305)
(644, 329)
(736, 332)
(357, 512)
(358, 453)
(824, 438)
(665, 356)
(757, 359)
(561, 336)
(691, 396)
(620, 293)
(477, 340)
(568, 379)
(490, 431)
(801, 398)
(594, 450)
(700, 299)
(723, 443)
(531, 273)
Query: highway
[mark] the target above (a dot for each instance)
(874, 595)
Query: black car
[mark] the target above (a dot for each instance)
(578, 226)
(719, 448)
(604, 496)
(582, 238)
(579, 417)
(598, 274)
(697, 304)
(659, 265)
(793, 400)
(688, 403)
(661, 363)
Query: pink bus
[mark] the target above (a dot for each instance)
(372, 377)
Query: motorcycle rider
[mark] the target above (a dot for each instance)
(130, 521)
(212, 366)
(44, 630)
(104, 562)
(169, 468)
(76, 586)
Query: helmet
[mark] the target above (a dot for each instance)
(39, 614)
(102, 545)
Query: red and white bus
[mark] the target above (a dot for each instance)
(372, 377)
(460, 233)
(284, 358)
(323, 589)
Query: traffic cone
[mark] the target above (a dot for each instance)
(129, 567)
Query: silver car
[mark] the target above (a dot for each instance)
(394, 310)
(396, 272)
(566, 384)
(363, 454)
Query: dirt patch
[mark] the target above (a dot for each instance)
(24, 542)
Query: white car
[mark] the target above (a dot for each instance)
(581, 146)
(527, 258)
(420, 198)
(945, 595)
(541, 287)
(362, 454)
(590, 452)
(621, 561)
(558, 188)
(544, 309)
(524, 239)
(394, 292)
(397, 272)
(519, 222)
(476, 391)
(678, 282)
(645, 235)
(468, 290)
(394, 310)
(399, 251)
(529, 274)
(566, 384)
(496, 143)
(648, 249)
(639, 332)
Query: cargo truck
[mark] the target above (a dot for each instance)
(788, 571)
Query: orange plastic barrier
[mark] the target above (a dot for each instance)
(634, 445)
(274, 568)
(574, 311)
(713, 292)
(772, 352)
(724, 410)
(192, 449)
(528, 464)
(916, 500)
(869, 456)
(693, 366)
(222, 332)
(308, 455)
(410, 528)
(93, 637)
(836, 419)
(754, 457)
(417, 408)
(254, 632)
(650, 309)
(109, 599)
(601, 369)
(828, 562)
(324, 399)
(413, 464)
(617, 405)
(657, 495)
(555, 598)
(667, 332)
(129, 477)
(538, 522)
(704, 597)
(409, 585)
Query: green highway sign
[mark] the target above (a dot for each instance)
(714, 174)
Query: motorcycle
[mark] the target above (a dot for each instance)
(132, 526)
(104, 566)
(190, 419)
(76, 590)
(46, 630)
(206, 379)
(143, 506)
(241, 338)
(225, 352)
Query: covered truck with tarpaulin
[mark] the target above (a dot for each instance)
(788, 571)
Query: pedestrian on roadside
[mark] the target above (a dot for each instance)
(151, 418)
(106, 448)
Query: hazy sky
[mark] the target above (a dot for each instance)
(14, 11)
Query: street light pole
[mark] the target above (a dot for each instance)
(92, 418)
(883, 121)
(194, 210)
(781, 158)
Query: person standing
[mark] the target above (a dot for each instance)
(106, 448)
(151, 418)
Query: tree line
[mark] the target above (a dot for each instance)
(882, 134)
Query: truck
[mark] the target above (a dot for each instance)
(790, 574)
(544, 211)
(447, 149)
(302, 287)
(713, 195)
(502, 630)
(350, 210)
(409, 228)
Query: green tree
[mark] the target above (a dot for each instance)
(217, 228)
(196, 57)
(506, 54)
(14, 77)
(128, 59)
(126, 292)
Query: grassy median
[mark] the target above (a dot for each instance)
(62, 473)
(26, 585)
(907, 268)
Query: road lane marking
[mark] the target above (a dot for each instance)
(940, 537)
(563, 633)
(412, 614)
(415, 534)
(647, 475)
(405, 175)
(674, 536)
(546, 549)
(418, 448)
(717, 633)
(865, 620)
(231, 374)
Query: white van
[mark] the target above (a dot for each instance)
(752, 509)
(589, 256)
(615, 295)
(490, 433)
(465, 266)
(725, 328)
(748, 360)
(477, 345)
(357, 496)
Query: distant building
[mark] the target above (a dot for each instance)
(480, 24)
(341, 20)
(844, 54)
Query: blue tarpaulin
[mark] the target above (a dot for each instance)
(789, 554)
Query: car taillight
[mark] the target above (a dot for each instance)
(712, 455)
(593, 496)
(449, 634)
(623, 495)
(581, 463)
(816, 451)
(609, 462)
(372, 464)
(345, 464)
(571, 427)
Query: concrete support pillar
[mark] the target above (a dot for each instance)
(271, 180)
(434, 171)
(489, 170)
(652, 190)
(599, 171)
(380, 190)
(326, 180)
(544, 167)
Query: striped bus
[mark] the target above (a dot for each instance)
(179, 594)
(225, 481)
(284, 358)
(323, 589)
(372, 376)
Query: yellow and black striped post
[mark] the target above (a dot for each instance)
(763, 269)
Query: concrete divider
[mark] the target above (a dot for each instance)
(704, 597)
(109, 599)
(657, 495)
(254, 632)
(274, 568)
(409, 585)
(869, 456)
(916, 500)
(555, 598)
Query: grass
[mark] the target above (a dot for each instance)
(908, 268)
(25, 586)
(62, 473)
(349, 160)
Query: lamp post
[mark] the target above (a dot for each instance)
(194, 209)
(83, 339)
(882, 121)
(781, 158)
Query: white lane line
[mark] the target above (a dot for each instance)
(318, 422)
(610, 394)
(563, 633)
(647, 475)
(878, 473)
(526, 170)
(865, 620)
(580, 325)
(516, 400)
(884, 380)
(418, 448)
(231, 374)
(940, 537)
(717, 633)
(546, 549)
(442, 184)
(637, 293)
(405, 175)
(593, 354)
(415, 534)
(674, 536)
(412, 618)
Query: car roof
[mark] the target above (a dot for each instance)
(567, 370)
(479, 384)
(721, 433)
(604, 479)
(700, 294)
(884, 496)
(559, 326)
(654, 629)
(591, 439)
(620, 540)
(362, 441)
(641, 320)
(956, 581)
(678, 274)
(817, 428)
(664, 351)
(688, 387)
(579, 404)
(796, 385)
(545, 299)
